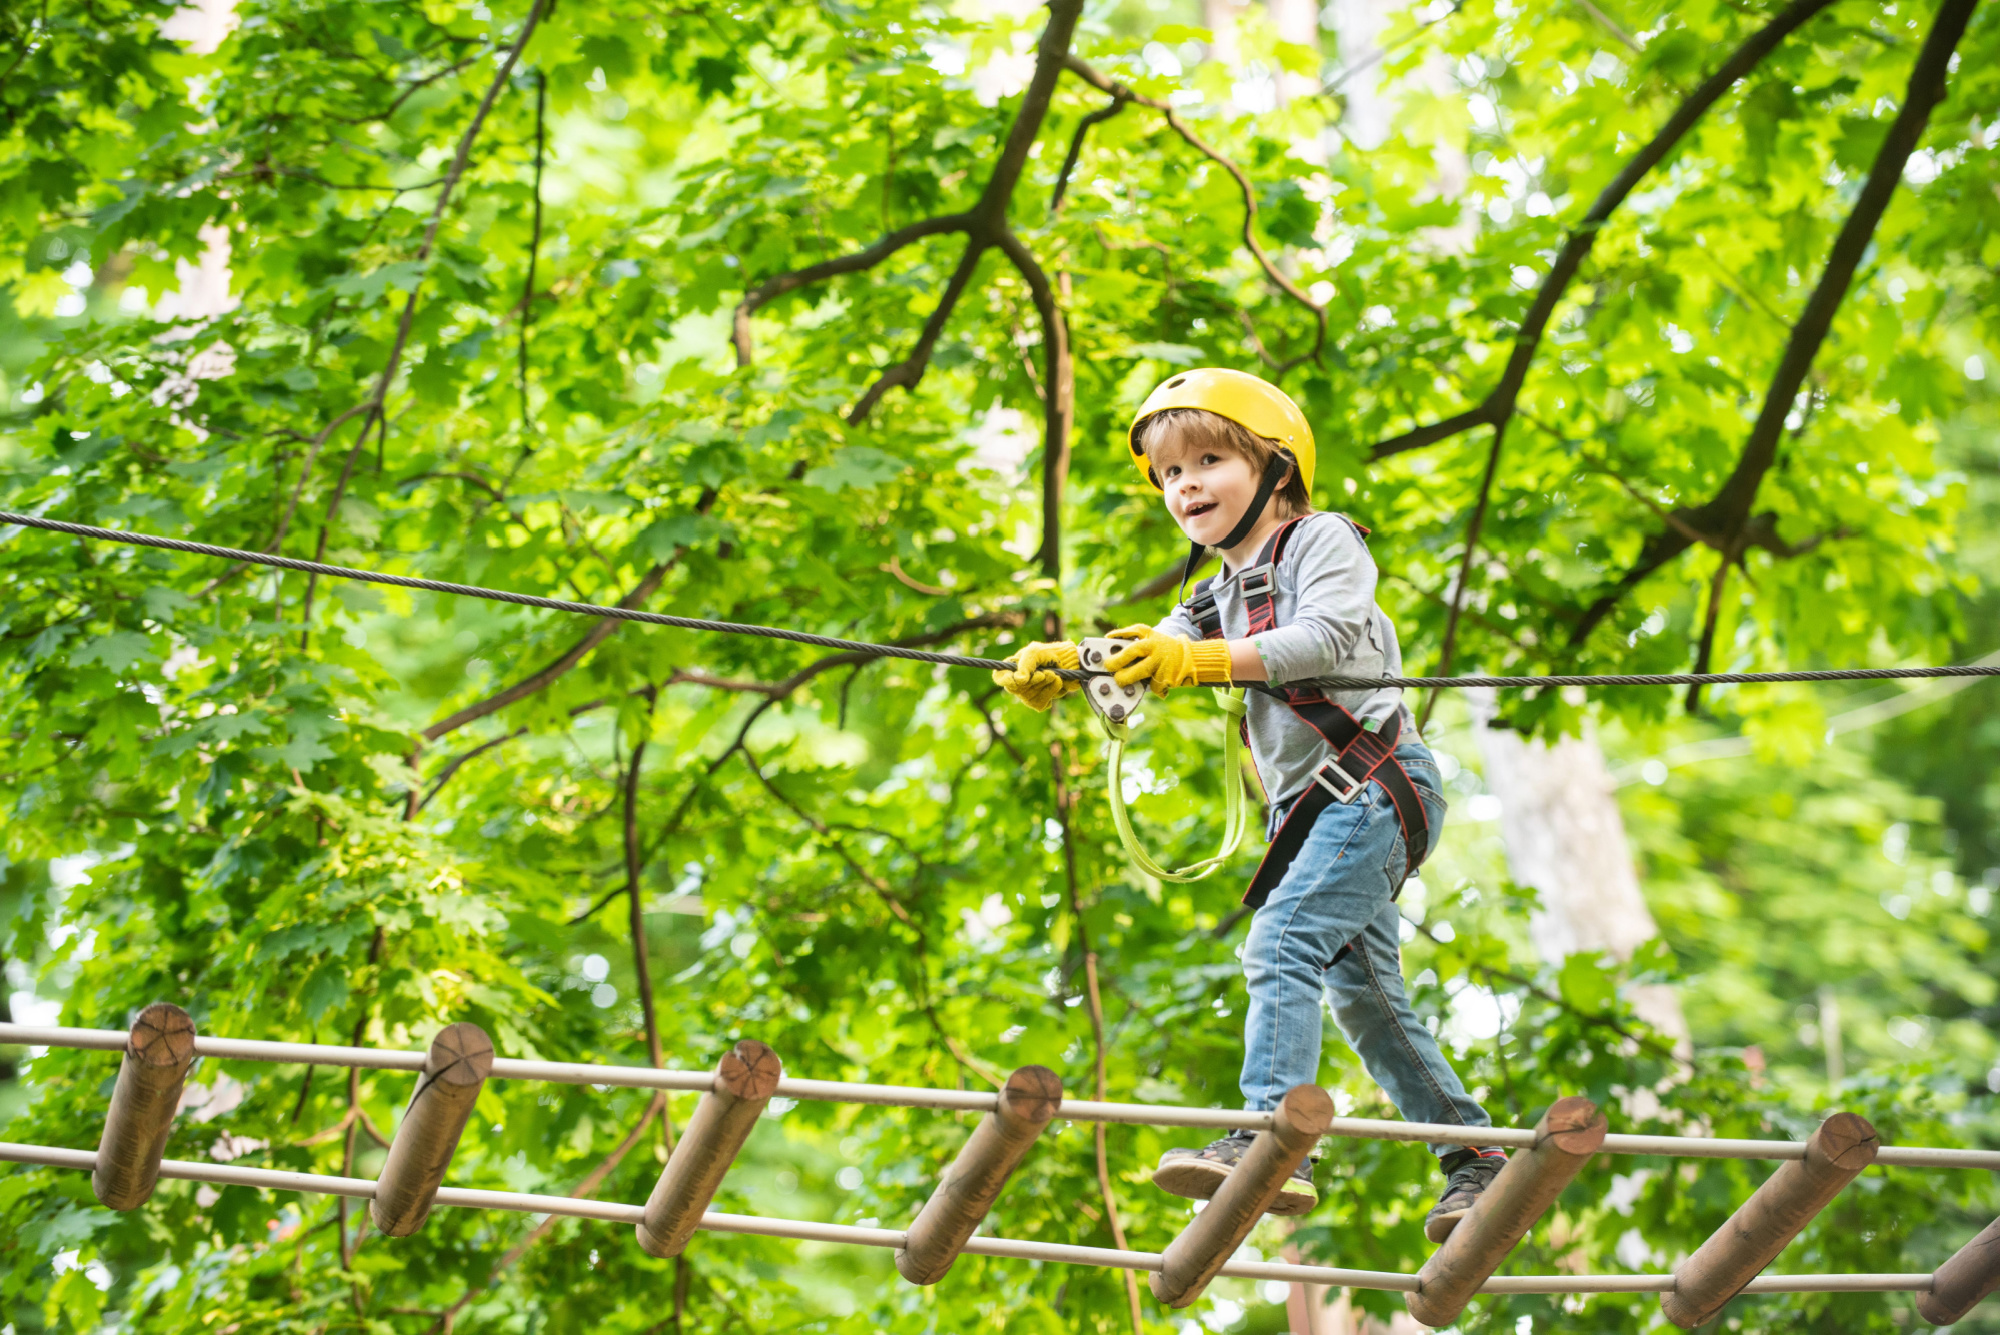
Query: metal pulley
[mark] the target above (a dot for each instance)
(1115, 704)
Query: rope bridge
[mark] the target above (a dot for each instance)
(162, 1045)
(160, 1049)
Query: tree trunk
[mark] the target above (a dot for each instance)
(1297, 21)
(7, 1071)
(1219, 17)
(1566, 839)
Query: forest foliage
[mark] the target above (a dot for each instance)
(1651, 336)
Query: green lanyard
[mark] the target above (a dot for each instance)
(1235, 817)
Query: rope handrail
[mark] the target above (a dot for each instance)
(1340, 683)
(48, 1156)
(960, 1100)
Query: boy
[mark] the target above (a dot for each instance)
(1356, 796)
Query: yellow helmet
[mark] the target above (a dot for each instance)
(1253, 404)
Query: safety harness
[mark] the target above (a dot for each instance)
(1362, 754)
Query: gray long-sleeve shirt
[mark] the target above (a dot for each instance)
(1328, 624)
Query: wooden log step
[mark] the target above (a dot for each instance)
(1972, 1273)
(158, 1053)
(1766, 1223)
(1212, 1237)
(459, 1060)
(972, 1182)
(722, 1121)
(1566, 1137)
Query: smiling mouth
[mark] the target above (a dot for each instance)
(1198, 510)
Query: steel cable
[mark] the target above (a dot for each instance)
(956, 660)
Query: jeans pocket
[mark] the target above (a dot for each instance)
(1429, 783)
(1397, 866)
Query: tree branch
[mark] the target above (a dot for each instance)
(452, 765)
(379, 396)
(534, 245)
(684, 677)
(1102, 114)
(820, 827)
(584, 1190)
(993, 729)
(634, 866)
(1926, 90)
(1105, 83)
(1160, 583)
(380, 421)
(1058, 398)
(1050, 52)
(774, 693)
(909, 371)
(896, 906)
(978, 223)
(867, 258)
(648, 584)
(903, 577)
(473, 478)
(1498, 404)
(1704, 653)
(1728, 513)
(1458, 592)
(985, 225)
(1528, 985)
(1065, 800)
(305, 472)
(1605, 22)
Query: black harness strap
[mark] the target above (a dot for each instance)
(1360, 756)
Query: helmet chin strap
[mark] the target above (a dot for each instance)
(1275, 472)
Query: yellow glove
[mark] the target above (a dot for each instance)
(1166, 661)
(1031, 682)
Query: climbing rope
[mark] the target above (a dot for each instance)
(1338, 683)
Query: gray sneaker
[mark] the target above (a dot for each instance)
(1468, 1175)
(1199, 1174)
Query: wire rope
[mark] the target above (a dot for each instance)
(1339, 683)
(221, 1048)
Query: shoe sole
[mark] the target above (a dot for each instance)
(1296, 1199)
(1439, 1227)
(1200, 1179)
(1195, 1179)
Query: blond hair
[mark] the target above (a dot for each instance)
(1197, 429)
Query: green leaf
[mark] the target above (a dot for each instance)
(856, 466)
(117, 651)
(325, 990)
(1587, 985)
(401, 275)
(666, 535)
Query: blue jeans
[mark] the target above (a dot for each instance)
(1338, 890)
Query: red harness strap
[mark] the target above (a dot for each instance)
(1360, 757)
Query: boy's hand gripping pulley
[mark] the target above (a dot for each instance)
(1117, 709)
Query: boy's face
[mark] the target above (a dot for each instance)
(1208, 489)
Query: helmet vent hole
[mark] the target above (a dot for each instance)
(1176, 382)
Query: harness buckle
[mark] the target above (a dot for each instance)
(1258, 581)
(1354, 785)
